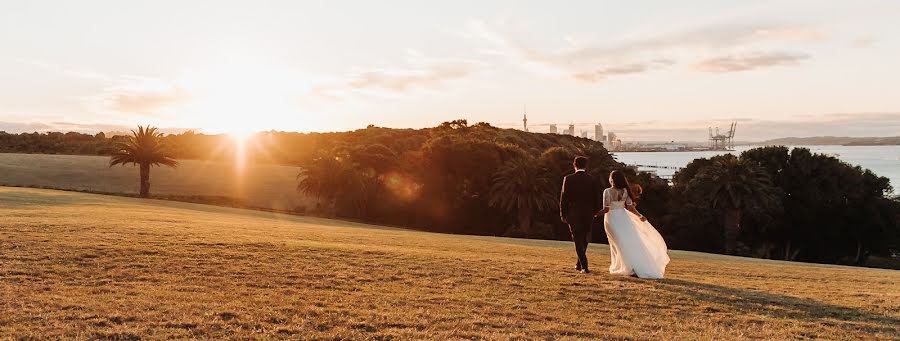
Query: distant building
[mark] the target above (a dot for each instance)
(611, 138)
(584, 133)
(571, 130)
(615, 145)
(525, 122)
(553, 129)
(598, 132)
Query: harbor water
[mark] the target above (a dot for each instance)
(882, 160)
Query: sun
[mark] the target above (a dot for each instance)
(240, 134)
(242, 95)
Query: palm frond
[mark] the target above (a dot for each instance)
(144, 146)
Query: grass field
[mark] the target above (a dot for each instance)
(265, 186)
(78, 265)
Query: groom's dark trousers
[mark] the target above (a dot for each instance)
(578, 201)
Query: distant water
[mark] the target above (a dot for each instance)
(883, 160)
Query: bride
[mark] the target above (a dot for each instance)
(635, 246)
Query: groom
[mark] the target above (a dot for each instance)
(578, 202)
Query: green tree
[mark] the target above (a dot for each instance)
(523, 187)
(145, 149)
(734, 186)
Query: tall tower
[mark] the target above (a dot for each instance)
(524, 119)
(553, 129)
(598, 132)
(571, 129)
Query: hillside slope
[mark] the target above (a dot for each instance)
(88, 266)
(257, 185)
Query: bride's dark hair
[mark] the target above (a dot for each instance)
(619, 181)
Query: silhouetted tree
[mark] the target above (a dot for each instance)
(319, 178)
(522, 187)
(733, 186)
(144, 149)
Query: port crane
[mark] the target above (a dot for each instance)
(722, 141)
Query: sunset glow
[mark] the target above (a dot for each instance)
(654, 70)
(438, 170)
(238, 97)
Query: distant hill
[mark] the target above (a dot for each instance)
(834, 140)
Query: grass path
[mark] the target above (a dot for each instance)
(77, 265)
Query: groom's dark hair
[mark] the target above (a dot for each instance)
(580, 162)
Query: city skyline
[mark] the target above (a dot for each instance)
(650, 70)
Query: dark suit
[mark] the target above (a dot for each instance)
(578, 202)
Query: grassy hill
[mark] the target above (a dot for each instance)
(262, 185)
(88, 266)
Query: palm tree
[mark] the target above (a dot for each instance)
(145, 149)
(319, 178)
(332, 179)
(523, 186)
(735, 186)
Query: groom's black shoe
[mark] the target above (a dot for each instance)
(578, 267)
(585, 271)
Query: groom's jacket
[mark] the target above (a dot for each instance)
(579, 195)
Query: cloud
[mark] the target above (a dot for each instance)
(420, 73)
(862, 42)
(141, 95)
(122, 94)
(59, 69)
(749, 61)
(645, 53)
(19, 127)
(707, 37)
(404, 80)
(87, 128)
(602, 73)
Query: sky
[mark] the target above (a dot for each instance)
(647, 70)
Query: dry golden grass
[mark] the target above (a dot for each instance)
(257, 185)
(87, 266)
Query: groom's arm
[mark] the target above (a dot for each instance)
(563, 202)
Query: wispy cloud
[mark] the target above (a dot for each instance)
(601, 73)
(140, 95)
(636, 54)
(121, 94)
(419, 73)
(863, 41)
(19, 127)
(88, 128)
(64, 70)
(749, 61)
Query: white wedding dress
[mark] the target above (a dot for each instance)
(636, 248)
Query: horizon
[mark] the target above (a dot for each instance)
(649, 71)
(125, 130)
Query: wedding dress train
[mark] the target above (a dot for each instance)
(636, 248)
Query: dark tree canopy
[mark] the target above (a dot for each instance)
(770, 202)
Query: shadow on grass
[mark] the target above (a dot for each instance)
(781, 306)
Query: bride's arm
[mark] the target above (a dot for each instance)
(635, 211)
(605, 201)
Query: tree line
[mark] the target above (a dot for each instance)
(768, 202)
